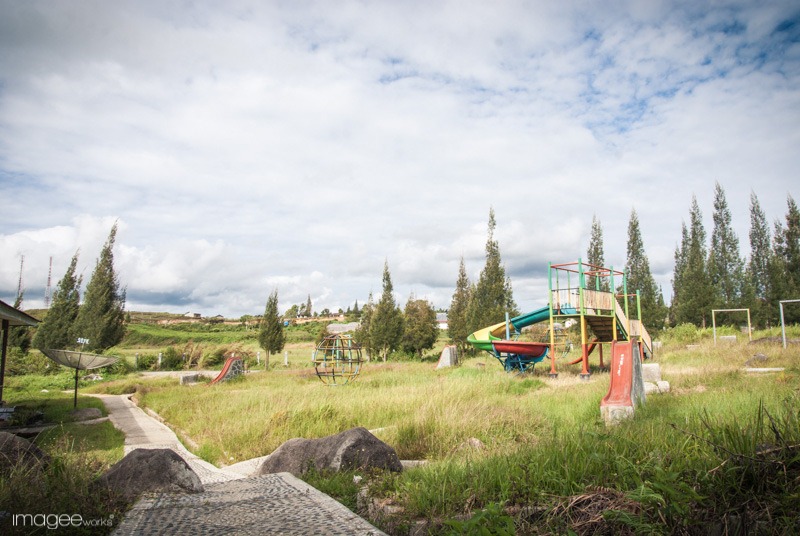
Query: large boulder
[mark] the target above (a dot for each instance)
(16, 451)
(150, 470)
(352, 449)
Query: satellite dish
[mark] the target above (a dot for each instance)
(78, 361)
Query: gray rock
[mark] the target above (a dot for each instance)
(85, 414)
(16, 451)
(150, 470)
(352, 449)
(755, 360)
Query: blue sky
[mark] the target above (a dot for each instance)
(251, 146)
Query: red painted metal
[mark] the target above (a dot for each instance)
(532, 349)
(619, 392)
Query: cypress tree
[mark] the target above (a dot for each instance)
(596, 257)
(101, 317)
(361, 335)
(695, 296)
(420, 329)
(270, 336)
(725, 266)
(457, 315)
(640, 278)
(681, 254)
(386, 328)
(55, 331)
(493, 296)
(785, 273)
(19, 336)
(757, 280)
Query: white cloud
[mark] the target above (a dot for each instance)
(245, 147)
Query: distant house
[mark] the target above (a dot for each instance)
(192, 315)
(441, 320)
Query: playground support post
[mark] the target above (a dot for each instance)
(714, 321)
(783, 324)
(553, 372)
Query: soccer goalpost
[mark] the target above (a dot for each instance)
(714, 321)
(783, 324)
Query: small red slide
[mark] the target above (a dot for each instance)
(225, 370)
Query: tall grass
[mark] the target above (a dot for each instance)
(497, 439)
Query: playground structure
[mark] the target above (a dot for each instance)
(574, 295)
(337, 359)
(234, 366)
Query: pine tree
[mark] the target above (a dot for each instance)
(386, 327)
(725, 265)
(19, 336)
(420, 329)
(681, 255)
(695, 296)
(270, 336)
(640, 278)
(55, 331)
(457, 315)
(785, 273)
(493, 296)
(308, 310)
(101, 317)
(355, 309)
(757, 280)
(361, 335)
(596, 257)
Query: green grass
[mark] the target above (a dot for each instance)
(720, 449)
(543, 440)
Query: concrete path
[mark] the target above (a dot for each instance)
(235, 501)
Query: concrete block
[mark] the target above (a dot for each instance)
(613, 415)
(651, 372)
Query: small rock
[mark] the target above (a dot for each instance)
(756, 359)
(16, 450)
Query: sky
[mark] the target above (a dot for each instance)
(244, 147)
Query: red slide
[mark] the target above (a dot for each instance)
(619, 392)
(225, 370)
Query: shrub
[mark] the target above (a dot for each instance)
(212, 358)
(19, 363)
(146, 361)
(171, 359)
(121, 366)
(683, 333)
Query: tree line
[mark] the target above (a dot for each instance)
(705, 277)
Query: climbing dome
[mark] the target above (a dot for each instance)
(337, 360)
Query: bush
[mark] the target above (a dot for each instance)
(171, 359)
(122, 366)
(683, 333)
(19, 363)
(212, 359)
(146, 362)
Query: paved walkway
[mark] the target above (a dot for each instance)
(234, 502)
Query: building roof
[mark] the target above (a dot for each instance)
(16, 317)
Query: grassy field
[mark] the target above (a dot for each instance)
(525, 454)
(501, 446)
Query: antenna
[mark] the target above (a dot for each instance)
(47, 289)
(19, 285)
